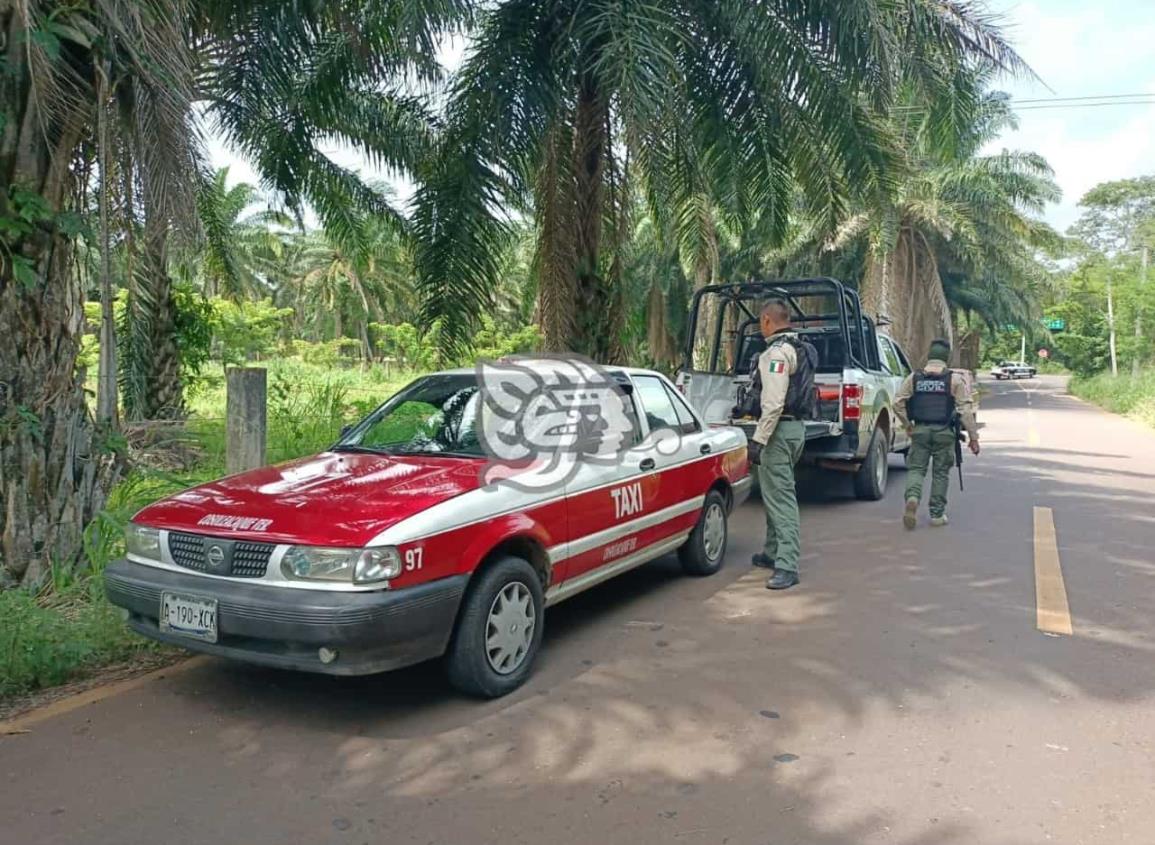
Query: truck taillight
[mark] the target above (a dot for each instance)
(851, 402)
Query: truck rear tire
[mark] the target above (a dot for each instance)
(870, 480)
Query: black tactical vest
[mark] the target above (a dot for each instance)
(932, 401)
(801, 394)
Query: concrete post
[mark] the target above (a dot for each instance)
(245, 421)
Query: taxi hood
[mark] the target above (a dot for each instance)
(331, 499)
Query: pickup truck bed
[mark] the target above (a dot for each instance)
(859, 370)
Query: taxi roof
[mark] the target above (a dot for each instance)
(612, 369)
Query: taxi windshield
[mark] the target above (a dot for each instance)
(434, 415)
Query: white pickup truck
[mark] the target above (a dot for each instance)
(859, 371)
(1012, 370)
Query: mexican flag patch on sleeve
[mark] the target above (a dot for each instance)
(777, 366)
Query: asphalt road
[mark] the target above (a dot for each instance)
(902, 694)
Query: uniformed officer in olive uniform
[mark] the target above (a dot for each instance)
(927, 405)
(776, 447)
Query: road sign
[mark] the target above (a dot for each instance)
(1055, 325)
(1044, 354)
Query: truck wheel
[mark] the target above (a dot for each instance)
(705, 549)
(498, 630)
(870, 480)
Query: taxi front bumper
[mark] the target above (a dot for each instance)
(282, 627)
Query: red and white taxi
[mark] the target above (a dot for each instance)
(390, 548)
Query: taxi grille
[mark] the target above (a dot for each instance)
(249, 560)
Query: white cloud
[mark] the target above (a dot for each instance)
(1080, 49)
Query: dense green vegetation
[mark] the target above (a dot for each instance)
(1132, 396)
(66, 626)
(587, 167)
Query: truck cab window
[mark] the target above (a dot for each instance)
(890, 358)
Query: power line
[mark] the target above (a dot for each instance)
(1147, 102)
(1090, 97)
(1040, 103)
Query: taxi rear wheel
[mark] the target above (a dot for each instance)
(703, 553)
(498, 630)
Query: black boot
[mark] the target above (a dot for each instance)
(760, 560)
(783, 579)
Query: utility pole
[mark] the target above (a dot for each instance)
(1111, 326)
(1136, 359)
(1023, 349)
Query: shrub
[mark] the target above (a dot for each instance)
(1134, 397)
(246, 331)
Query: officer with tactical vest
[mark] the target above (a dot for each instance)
(786, 372)
(930, 404)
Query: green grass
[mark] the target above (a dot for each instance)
(1132, 397)
(307, 405)
(68, 628)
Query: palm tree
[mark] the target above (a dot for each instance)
(244, 240)
(122, 64)
(337, 294)
(713, 107)
(279, 82)
(961, 232)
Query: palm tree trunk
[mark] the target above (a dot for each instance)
(164, 384)
(106, 381)
(554, 260)
(366, 343)
(594, 308)
(54, 472)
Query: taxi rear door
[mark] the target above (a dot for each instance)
(645, 503)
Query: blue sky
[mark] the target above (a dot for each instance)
(1077, 48)
(1084, 48)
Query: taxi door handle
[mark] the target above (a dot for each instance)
(646, 465)
(704, 448)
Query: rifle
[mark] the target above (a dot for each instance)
(958, 452)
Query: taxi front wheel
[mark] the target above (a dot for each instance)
(498, 630)
(705, 549)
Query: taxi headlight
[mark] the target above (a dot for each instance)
(142, 541)
(360, 566)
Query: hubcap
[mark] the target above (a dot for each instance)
(509, 629)
(880, 467)
(714, 531)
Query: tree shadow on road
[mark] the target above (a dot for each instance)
(668, 709)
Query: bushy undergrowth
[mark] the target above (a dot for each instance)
(67, 627)
(50, 635)
(1134, 397)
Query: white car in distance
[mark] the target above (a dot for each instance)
(1012, 370)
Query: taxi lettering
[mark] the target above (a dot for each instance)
(624, 547)
(239, 523)
(627, 500)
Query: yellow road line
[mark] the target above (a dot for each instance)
(21, 724)
(1052, 613)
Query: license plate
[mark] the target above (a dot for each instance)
(189, 616)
